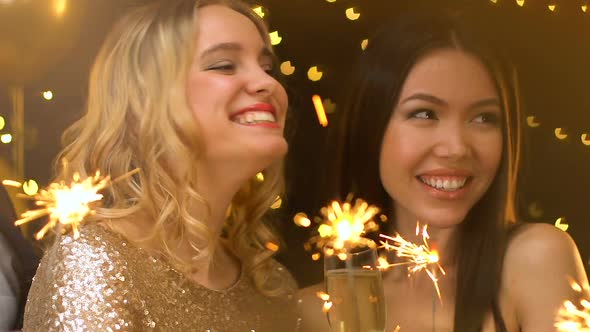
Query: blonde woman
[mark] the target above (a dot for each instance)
(183, 90)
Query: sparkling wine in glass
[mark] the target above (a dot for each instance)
(355, 288)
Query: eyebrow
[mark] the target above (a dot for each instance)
(435, 100)
(234, 47)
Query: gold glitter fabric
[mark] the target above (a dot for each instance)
(100, 282)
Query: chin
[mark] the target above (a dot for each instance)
(267, 156)
(442, 220)
(276, 150)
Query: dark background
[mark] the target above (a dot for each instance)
(551, 50)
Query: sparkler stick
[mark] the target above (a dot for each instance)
(67, 204)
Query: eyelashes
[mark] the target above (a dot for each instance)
(491, 118)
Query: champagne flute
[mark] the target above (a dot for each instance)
(355, 288)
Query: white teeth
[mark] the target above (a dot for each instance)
(254, 117)
(444, 184)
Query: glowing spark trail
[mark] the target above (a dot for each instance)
(343, 227)
(419, 257)
(572, 318)
(67, 204)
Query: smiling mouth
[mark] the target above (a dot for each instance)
(254, 117)
(445, 183)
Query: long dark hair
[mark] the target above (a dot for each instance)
(381, 73)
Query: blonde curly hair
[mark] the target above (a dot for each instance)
(138, 117)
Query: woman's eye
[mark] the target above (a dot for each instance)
(423, 114)
(490, 118)
(223, 67)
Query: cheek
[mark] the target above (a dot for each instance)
(491, 152)
(396, 157)
(206, 89)
(282, 98)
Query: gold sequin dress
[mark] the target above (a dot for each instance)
(101, 282)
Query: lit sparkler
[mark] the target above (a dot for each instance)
(66, 204)
(572, 318)
(342, 227)
(419, 257)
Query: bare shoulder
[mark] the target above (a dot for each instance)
(544, 253)
(540, 263)
(539, 244)
(310, 306)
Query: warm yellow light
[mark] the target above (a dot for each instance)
(259, 177)
(364, 44)
(314, 74)
(352, 15)
(575, 286)
(382, 263)
(60, 7)
(558, 224)
(584, 8)
(585, 139)
(329, 106)
(11, 183)
(275, 38)
(6, 138)
(494, 1)
(30, 187)
(325, 230)
(320, 111)
(316, 256)
(2, 122)
(535, 210)
(259, 10)
(551, 7)
(560, 134)
(302, 220)
(277, 203)
(67, 204)
(531, 121)
(48, 95)
(520, 2)
(287, 68)
(331, 1)
(272, 246)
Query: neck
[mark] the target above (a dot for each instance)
(217, 185)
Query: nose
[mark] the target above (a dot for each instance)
(261, 82)
(452, 142)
